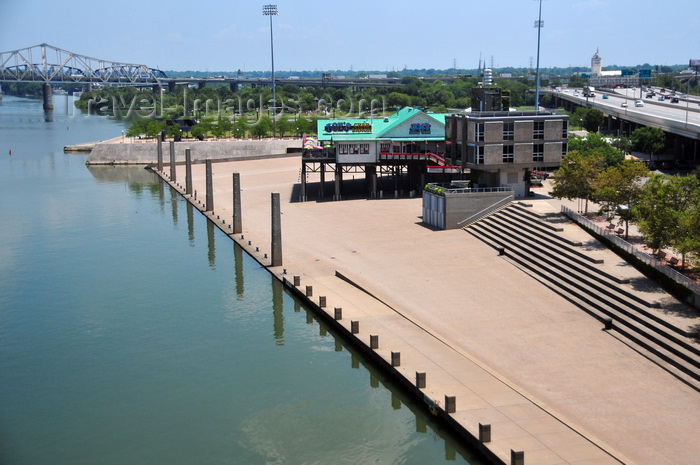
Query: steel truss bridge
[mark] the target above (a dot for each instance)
(51, 65)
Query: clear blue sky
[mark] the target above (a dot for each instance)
(206, 35)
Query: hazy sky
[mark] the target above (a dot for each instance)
(378, 35)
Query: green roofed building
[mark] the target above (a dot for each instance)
(394, 152)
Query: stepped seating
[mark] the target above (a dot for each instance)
(539, 249)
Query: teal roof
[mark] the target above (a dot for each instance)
(381, 127)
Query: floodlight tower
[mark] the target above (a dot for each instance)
(539, 24)
(271, 10)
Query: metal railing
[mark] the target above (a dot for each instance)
(486, 211)
(629, 248)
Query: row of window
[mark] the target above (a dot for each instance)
(353, 149)
(509, 130)
(537, 152)
(476, 153)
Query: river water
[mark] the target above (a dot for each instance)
(134, 332)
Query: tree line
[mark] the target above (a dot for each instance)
(666, 209)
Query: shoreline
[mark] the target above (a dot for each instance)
(558, 384)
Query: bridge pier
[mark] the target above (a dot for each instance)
(171, 87)
(48, 99)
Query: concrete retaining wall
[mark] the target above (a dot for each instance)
(450, 210)
(144, 153)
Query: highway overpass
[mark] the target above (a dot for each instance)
(680, 121)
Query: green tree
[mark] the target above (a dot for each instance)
(262, 128)
(223, 127)
(593, 120)
(623, 144)
(578, 116)
(398, 99)
(595, 143)
(575, 177)
(648, 140)
(669, 216)
(284, 127)
(617, 188)
(198, 131)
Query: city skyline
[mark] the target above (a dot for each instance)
(367, 35)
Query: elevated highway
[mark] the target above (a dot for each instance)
(681, 121)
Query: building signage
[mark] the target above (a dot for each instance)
(348, 127)
(419, 128)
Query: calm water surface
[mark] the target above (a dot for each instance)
(133, 332)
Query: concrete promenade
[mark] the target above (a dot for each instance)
(514, 354)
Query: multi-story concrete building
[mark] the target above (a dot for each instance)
(501, 148)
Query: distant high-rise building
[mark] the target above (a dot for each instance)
(596, 64)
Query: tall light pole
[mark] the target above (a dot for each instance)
(539, 24)
(271, 10)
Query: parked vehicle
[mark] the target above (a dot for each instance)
(666, 165)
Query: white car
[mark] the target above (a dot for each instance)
(624, 105)
(638, 103)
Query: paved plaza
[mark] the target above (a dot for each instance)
(515, 354)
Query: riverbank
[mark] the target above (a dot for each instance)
(130, 151)
(514, 355)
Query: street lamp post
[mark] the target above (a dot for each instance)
(271, 10)
(539, 24)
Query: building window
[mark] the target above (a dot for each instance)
(564, 148)
(538, 152)
(479, 154)
(353, 149)
(508, 154)
(479, 132)
(508, 130)
(538, 130)
(564, 129)
(385, 147)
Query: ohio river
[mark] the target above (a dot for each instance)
(133, 331)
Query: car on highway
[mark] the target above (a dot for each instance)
(624, 105)
(661, 98)
(638, 103)
(605, 96)
(674, 99)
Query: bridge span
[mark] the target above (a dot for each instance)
(49, 65)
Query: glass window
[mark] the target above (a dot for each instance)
(480, 132)
(479, 155)
(565, 129)
(538, 130)
(538, 152)
(508, 154)
(508, 130)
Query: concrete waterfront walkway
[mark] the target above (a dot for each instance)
(513, 353)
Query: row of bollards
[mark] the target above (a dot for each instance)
(517, 457)
(450, 405)
(208, 206)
